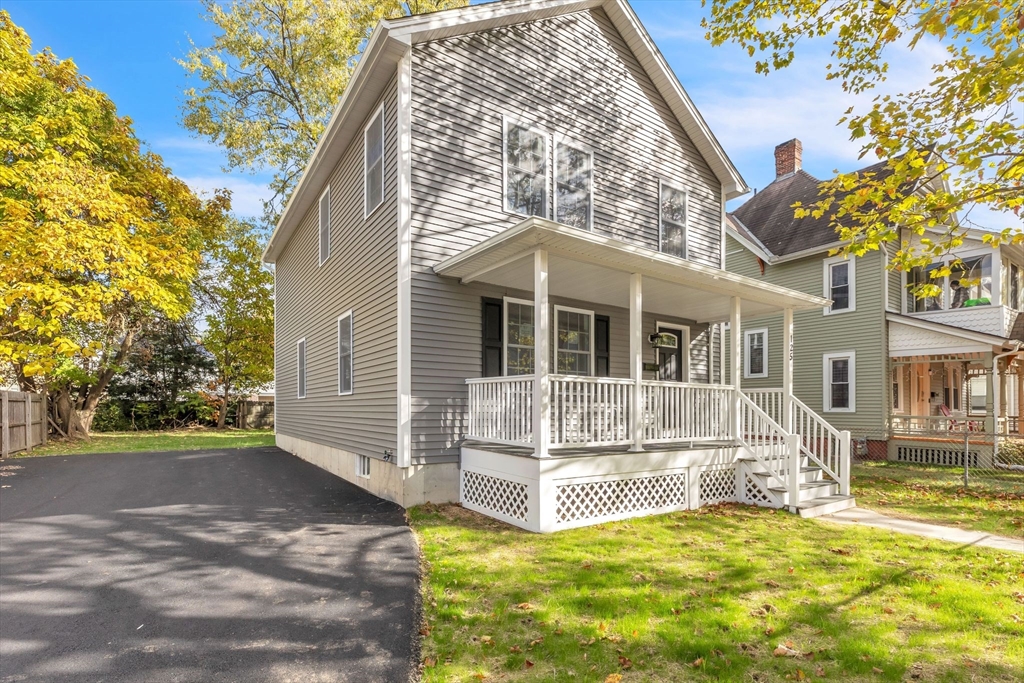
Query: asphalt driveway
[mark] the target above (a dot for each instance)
(233, 565)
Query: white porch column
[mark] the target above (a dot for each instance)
(1020, 401)
(735, 364)
(787, 369)
(541, 356)
(636, 358)
(991, 384)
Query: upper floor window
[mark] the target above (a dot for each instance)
(969, 284)
(839, 284)
(373, 163)
(519, 330)
(755, 353)
(672, 220)
(345, 354)
(840, 374)
(922, 275)
(574, 341)
(300, 368)
(1014, 286)
(573, 190)
(325, 225)
(526, 170)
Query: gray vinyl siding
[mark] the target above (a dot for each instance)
(361, 275)
(815, 335)
(571, 75)
(895, 279)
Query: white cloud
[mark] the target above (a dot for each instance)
(247, 195)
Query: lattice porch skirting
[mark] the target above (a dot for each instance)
(501, 498)
(717, 485)
(615, 498)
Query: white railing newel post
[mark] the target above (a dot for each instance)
(844, 462)
(793, 447)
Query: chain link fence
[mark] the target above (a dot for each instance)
(965, 478)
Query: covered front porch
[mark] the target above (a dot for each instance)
(631, 442)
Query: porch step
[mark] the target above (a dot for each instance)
(826, 505)
(812, 490)
(807, 474)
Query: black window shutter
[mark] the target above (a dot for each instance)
(602, 354)
(492, 337)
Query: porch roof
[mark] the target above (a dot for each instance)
(911, 337)
(589, 267)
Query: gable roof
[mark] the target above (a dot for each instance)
(768, 215)
(391, 40)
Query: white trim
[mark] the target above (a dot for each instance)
(505, 301)
(403, 350)
(351, 351)
(367, 209)
(520, 122)
(554, 330)
(319, 224)
(300, 388)
(686, 219)
(827, 265)
(684, 344)
(826, 376)
(747, 334)
(564, 140)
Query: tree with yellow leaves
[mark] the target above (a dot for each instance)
(274, 74)
(954, 148)
(96, 236)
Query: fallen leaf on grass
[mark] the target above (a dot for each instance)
(524, 606)
(515, 649)
(889, 610)
(784, 650)
(877, 670)
(771, 584)
(697, 663)
(625, 662)
(527, 664)
(613, 678)
(819, 670)
(429, 661)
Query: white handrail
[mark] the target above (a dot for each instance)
(823, 444)
(770, 401)
(769, 443)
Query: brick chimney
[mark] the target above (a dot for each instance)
(787, 158)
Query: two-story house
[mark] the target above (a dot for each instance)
(903, 374)
(498, 280)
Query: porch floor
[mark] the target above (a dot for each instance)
(590, 451)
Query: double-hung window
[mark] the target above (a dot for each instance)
(300, 368)
(919, 276)
(839, 284)
(672, 220)
(345, 354)
(526, 170)
(840, 382)
(1015, 286)
(373, 163)
(755, 353)
(574, 341)
(519, 340)
(573, 188)
(325, 225)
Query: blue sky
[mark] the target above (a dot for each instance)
(128, 49)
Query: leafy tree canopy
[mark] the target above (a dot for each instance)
(96, 235)
(273, 75)
(954, 146)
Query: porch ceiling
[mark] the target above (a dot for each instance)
(589, 267)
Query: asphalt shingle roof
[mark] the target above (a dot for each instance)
(768, 215)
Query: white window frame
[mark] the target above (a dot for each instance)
(851, 276)
(560, 139)
(504, 335)
(747, 334)
(569, 309)
(684, 344)
(661, 221)
(367, 209)
(300, 362)
(363, 466)
(351, 351)
(319, 224)
(826, 376)
(549, 153)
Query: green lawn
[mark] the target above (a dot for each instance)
(721, 594)
(992, 502)
(175, 440)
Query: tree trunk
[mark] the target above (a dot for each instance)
(223, 412)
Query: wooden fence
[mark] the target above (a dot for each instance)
(22, 422)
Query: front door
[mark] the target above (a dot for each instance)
(670, 361)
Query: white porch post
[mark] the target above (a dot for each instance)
(735, 365)
(541, 356)
(787, 369)
(636, 359)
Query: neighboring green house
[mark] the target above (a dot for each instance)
(885, 366)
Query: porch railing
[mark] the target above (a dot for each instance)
(935, 424)
(501, 409)
(768, 400)
(685, 412)
(768, 442)
(590, 410)
(823, 444)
